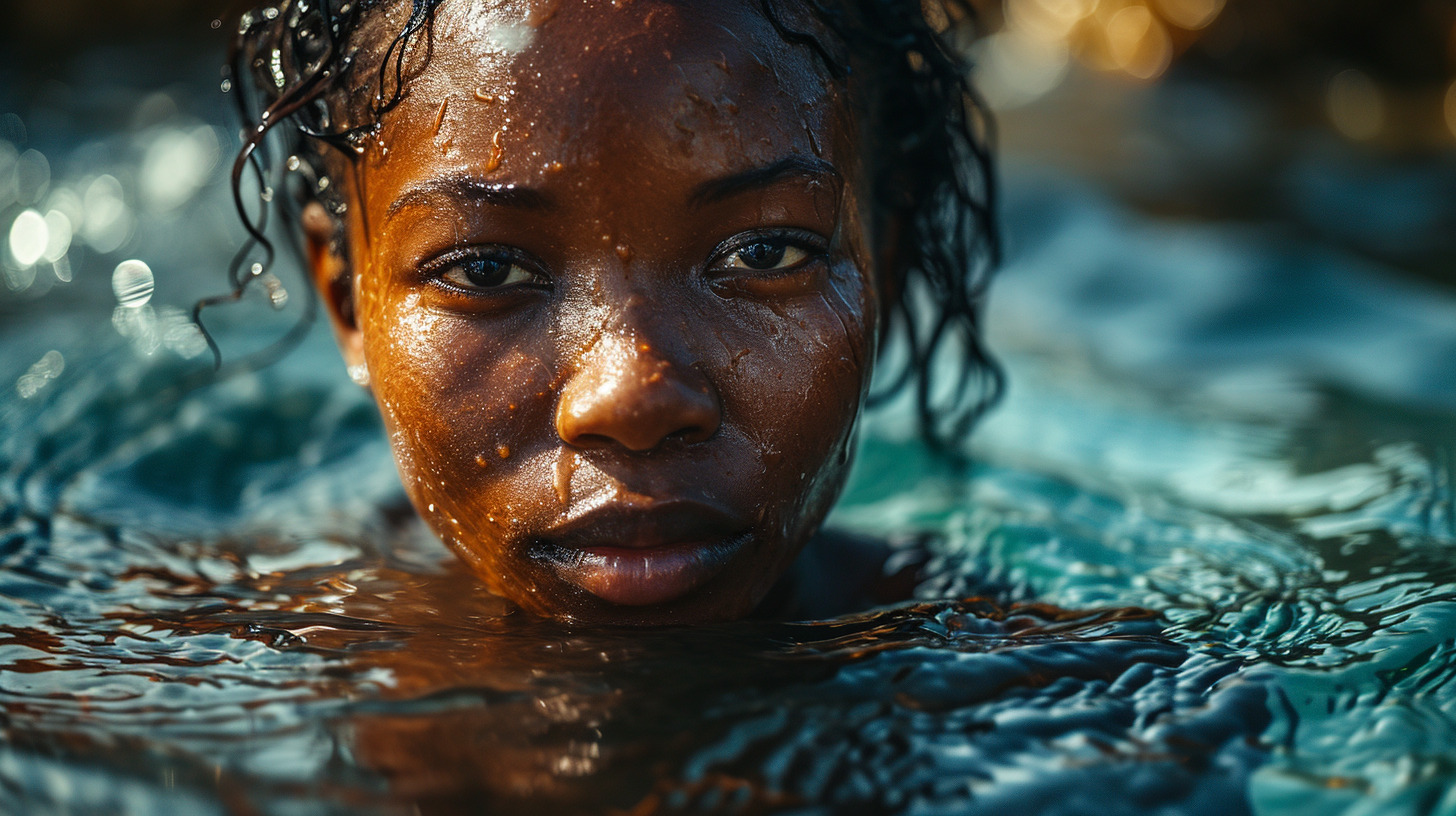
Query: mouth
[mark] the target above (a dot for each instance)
(642, 556)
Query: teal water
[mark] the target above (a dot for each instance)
(213, 601)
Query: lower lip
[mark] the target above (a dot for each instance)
(641, 577)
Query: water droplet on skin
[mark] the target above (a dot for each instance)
(133, 283)
(542, 13)
(227, 85)
(554, 167)
(565, 469)
(624, 253)
(359, 373)
(504, 451)
(482, 460)
(497, 153)
(440, 117)
(484, 96)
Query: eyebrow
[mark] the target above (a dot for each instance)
(760, 177)
(469, 189)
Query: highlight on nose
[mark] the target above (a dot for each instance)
(624, 394)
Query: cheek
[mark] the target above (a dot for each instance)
(461, 399)
(796, 375)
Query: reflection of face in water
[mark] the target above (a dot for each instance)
(611, 288)
(486, 713)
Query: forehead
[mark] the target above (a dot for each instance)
(516, 90)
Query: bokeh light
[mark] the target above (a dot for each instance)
(133, 283)
(1355, 105)
(177, 164)
(108, 220)
(29, 236)
(1029, 56)
(1137, 43)
(58, 236)
(32, 177)
(1190, 14)
(40, 374)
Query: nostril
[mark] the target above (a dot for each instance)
(592, 441)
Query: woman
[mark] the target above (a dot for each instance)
(617, 274)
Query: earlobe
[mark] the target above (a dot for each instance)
(330, 273)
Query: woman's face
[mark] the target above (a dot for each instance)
(610, 282)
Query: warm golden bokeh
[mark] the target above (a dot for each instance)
(1134, 38)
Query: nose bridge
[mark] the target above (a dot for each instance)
(632, 325)
(635, 384)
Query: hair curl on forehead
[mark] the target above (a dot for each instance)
(314, 78)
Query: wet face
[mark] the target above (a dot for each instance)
(610, 286)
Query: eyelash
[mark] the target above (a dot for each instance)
(811, 244)
(439, 270)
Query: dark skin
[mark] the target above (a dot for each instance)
(612, 287)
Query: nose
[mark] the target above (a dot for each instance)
(624, 393)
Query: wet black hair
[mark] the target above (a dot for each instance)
(312, 73)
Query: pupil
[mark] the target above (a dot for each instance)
(487, 272)
(762, 255)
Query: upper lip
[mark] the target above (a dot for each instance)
(635, 527)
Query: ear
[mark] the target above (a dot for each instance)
(330, 273)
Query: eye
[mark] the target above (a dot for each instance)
(769, 255)
(779, 252)
(478, 273)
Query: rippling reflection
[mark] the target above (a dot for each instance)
(348, 669)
